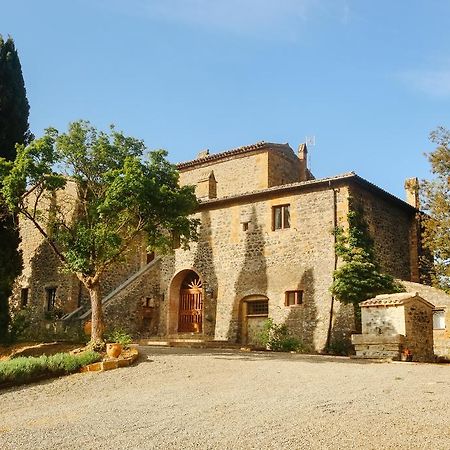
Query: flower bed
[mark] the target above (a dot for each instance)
(23, 370)
(127, 358)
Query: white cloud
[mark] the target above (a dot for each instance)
(435, 83)
(281, 18)
(240, 16)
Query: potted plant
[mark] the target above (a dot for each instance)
(117, 340)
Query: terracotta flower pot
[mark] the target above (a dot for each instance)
(113, 350)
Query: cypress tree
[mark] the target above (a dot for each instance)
(14, 129)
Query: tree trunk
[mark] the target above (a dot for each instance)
(97, 313)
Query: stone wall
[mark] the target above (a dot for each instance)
(390, 226)
(41, 265)
(247, 172)
(419, 329)
(243, 173)
(441, 301)
(235, 263)
(283, 168)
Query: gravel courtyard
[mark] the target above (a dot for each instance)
(208, 399)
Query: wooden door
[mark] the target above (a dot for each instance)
(191, 311)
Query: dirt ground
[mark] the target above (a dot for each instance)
(205, 399)
(34, 349)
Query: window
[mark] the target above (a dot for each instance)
(293, 298)
(258, 308)
(24, 297)
(245, 226)
(150, 257)
(439, 319)
(281, 217)
(51, 297)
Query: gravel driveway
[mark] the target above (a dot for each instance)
(180, 398)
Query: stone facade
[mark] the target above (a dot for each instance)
(441, 315)
(393, 324)
(265, 249)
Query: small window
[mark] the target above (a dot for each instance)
(245, 226)
(439, 319)
(24, 297)
(281, 217)
(150, 257)
(258, 308)
(51, 297)
(293, 298)
(148, 302)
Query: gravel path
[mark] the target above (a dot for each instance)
(185, 399)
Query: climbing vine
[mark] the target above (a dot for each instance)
(359, 277)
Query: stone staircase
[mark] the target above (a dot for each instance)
(83, 313)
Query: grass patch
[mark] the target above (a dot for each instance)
(22, 369)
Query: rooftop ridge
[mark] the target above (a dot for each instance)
(287, 186)
(234, 151)
(316, 182)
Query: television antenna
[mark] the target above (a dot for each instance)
(310, 141)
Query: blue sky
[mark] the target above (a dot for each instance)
(369, 80)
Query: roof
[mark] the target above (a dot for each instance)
(394, 299)
(311, 184)
(262, 145)
(287, 188)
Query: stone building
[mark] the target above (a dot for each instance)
(265, 249)
(396, 324)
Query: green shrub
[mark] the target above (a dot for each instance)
(24, 369)
(276, 337)
(19, 324)
(120, 337)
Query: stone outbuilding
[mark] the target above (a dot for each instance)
(396, 324)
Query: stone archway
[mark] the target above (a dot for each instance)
(186, 300)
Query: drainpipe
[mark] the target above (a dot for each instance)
(335, 220)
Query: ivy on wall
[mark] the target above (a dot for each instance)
(359, 277)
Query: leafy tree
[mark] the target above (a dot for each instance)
(359, 277)
(436, 203)
(14, 110)
(91, 194)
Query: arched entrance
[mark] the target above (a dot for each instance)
(190, 310)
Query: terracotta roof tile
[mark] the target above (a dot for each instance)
(235, 151)
(394, 299)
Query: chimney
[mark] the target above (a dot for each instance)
(203, 154)
(303, 159)
(412, 192)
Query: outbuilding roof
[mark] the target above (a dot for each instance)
(395, 300)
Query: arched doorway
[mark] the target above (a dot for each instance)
(190, 310)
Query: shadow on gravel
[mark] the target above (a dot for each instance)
(148, 353)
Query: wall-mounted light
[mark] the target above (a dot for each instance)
(209, 291)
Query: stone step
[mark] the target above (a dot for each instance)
(188, 343)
